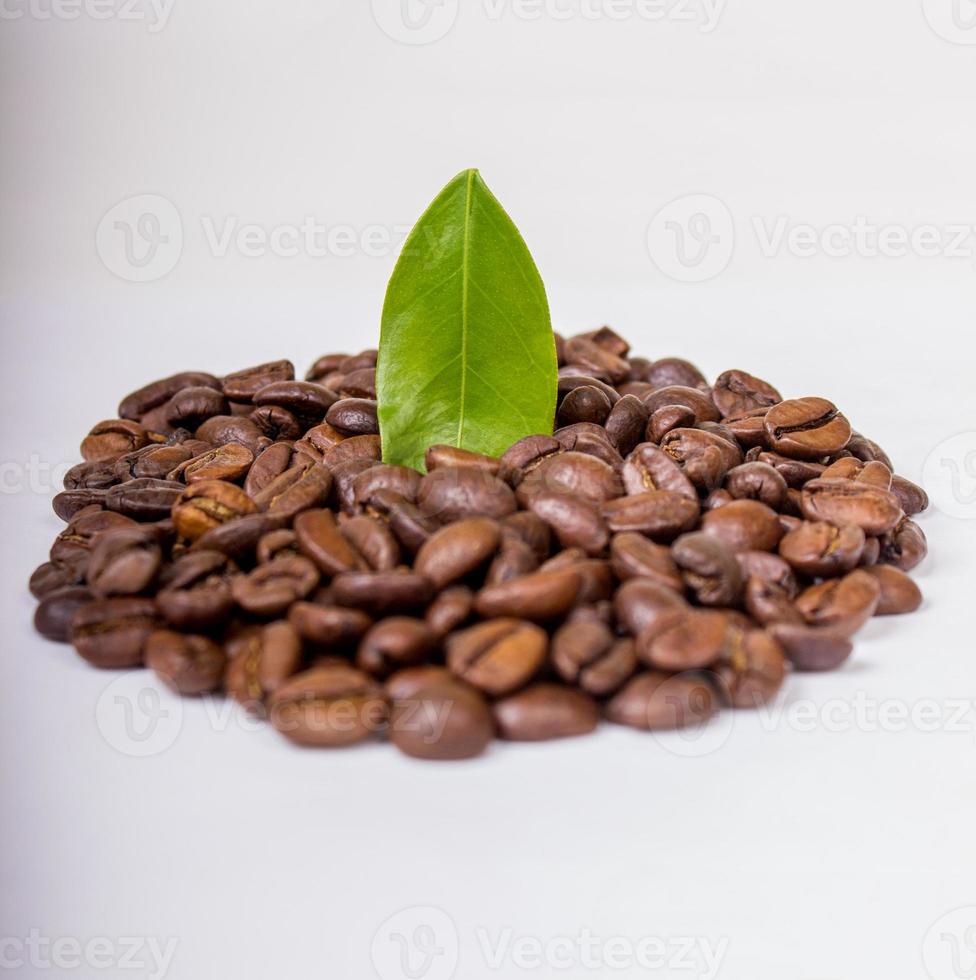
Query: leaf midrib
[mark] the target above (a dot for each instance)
(465, 250)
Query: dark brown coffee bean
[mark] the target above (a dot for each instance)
(812, 649)
(751, 668)
(396, 642)
(574, 474)
(328, 707)
(527, 453)
(399, 479)
(634, 556)
(191, 407)
(514, 559)
(912, 499)
(545, 711)
(267, 467)
(744, 525)
(673, 371)
(237, 539)
(75, 542)
(807, 428)
(584, 404)
(541, 596)
(757, 481)
(153, 462)
(705, 457)
(195, 591)
(143, 500)
(223, 429)
(594, 359)
(576, 521)
(736, 392)
(666, 418)
(159, 392)
(457, 550)
(276, 544)
(187, 664)
(654, 701)
(383, 593)
(660, 514)
(54, 614)
(709, 569)
(111, 633)
(497, 656)
(124, 561)
(344, 476)
(686, 640)
(305, 400)
(649, 468)
(626, 424)
(768, 602)
(609, 340)
(452, 493)
(276, 423)
(840, 502)
(450, 610)
(442, 721)
(112, 438)
(587, 654)
(270, 589)
(207, 504)
(641, 604)
(261, 660)
(899, 594)
(904, 546)
(819, 549)
(690, 398)
(842, 605)
(353, 447)
(354, 416)
(406, 683)
(242, 386)
(867, 450)
(55, 575)
(328, 626)
(373, 540)
(320, 539)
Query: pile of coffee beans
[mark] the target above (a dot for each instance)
(671, 549)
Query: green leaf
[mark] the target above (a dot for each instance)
(467, 356)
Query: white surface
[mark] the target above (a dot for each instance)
(821, 852)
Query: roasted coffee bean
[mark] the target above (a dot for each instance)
(328, 707)
(303, 399)
(328, 626)
(649, 468)
(904, 546)
(320, 539)
(353, 447)
(396, 642)
(409, 524)
(276, 544)
(807, 428)
(55, 575)
(111, 633)
(242, 386)
(654, 701)
(223, 429)
(159, 392)
(111, 439)
(748, 428)
(641, 604)
(875, 473)
(819, 549)
(98, 476)
(359, 384)
(153, 462)
(187, 664)
(686, 640)
(660, 514)
(666, 418)
(407, 682)
(839, 502)
(373, 540)
(267, 467)
(450, 609)
(757, 481)
(56, 610)
(191, 407)
(574, 474)
(812, 649)
(354, 416)
(545, 711)
(230, 462)
(75, 542)
(768, 602)
(751, 668)
(634, 556)
(195, 591)
(457, 550)
(609, 340)
(736, 392)
(593, 358)
(843, 605)
(399, 479)
(261, 659)
(498, 656)
(528, 453)
(541, 596)
(691, 398)
(383, 593)
(899, 594)
(311, 489)
(451, 493)
(867, 450)
(744, 525)
(626, 424)
(439, 456)
(270, 589)
(674, 371)
(584, 404)
(344, 476)
(514, 559)
(705, 457)
(576, 521)
(276, 423)
(912, 499)
(207, 504)
(796, 472)
(124, 561)
(709, 568)
(237, 539)
(145, 499)
(443, 720)
(587, 654)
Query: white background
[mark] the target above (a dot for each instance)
(820, 851)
